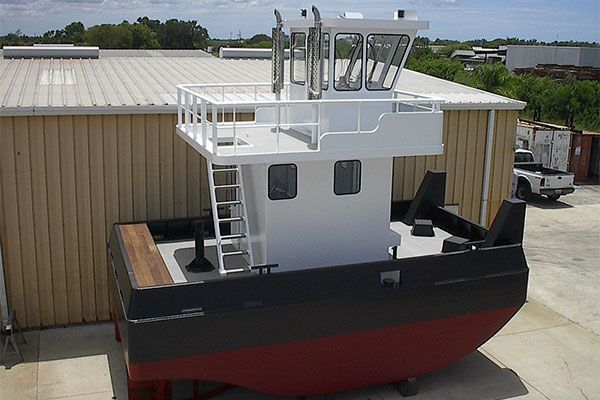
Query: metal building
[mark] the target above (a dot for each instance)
(85, 143)
(521, 56)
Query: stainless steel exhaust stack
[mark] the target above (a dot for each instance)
(277, 72)
(314, 57)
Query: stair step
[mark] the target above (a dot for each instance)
(232, 219)
(225, 170)
(234, 253)
(235, 185)
(229, 203)
(234, 236)
(236, 270)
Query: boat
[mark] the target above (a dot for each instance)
(304, 279)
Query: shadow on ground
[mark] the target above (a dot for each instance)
(474, 377)
(546, 203)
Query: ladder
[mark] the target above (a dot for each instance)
(237, 219)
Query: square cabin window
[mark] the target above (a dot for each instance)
(298, 62)
(283, 181)
(346, 177)
(347, 69)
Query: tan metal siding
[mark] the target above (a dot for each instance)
(64, 180)
(464, 139)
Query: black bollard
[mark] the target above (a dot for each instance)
(199, 263)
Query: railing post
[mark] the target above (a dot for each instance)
(359, 116)
(318, 122)
(179, 107)
(187, 113)
(195, 116)
(214, 128)
(277, 122)
(203, 121)
(234, 134)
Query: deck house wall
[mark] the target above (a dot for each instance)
(64, 180)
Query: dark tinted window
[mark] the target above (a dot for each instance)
(298, 64)
(384, 56)
(523, 157)
(348, 61)
(283, 181)
(346, 177)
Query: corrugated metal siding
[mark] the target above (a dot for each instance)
(463, 160)
(64, 180)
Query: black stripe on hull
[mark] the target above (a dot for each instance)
(263, 310)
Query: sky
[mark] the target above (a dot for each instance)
(545, 20)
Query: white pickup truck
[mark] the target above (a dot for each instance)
(534, 178)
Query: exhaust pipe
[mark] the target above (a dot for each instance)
(277, 72)
(314, 57)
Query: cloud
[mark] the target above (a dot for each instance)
(78, 1)
(17, 2)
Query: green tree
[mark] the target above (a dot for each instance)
(108, 36)
(74, 32)
(177, 34)
(142, 37)
(439, 67)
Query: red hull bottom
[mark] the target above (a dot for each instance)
(340, 363)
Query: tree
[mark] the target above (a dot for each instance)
(177, 34)
(74, 32)
(439, 67)
(152, 24)
(108, 36)
(490, 77)
(122, 36)
(142, 37)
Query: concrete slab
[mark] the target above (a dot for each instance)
(592, 326)
(562, 362)
(533, 316)
(82, 360)
(20, 382)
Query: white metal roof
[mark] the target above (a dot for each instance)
(147, 84)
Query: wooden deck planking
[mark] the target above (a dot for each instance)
(148, 266)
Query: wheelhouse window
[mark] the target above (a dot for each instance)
(348, 61)
(346, 177)
(325, 83)
(298, 64)
(283, 181)
(384, 57)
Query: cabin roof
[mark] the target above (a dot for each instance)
(142, 82)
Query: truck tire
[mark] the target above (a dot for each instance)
(554, 196)
(523, 190)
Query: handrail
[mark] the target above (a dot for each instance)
(189, 111)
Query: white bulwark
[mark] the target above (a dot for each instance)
(317, 158)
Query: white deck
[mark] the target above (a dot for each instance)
(410, 246)
(416, 246)
(284, 130)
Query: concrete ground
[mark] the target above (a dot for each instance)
(550, 350)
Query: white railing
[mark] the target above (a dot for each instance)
(202, 111)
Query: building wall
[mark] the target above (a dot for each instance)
(463, 160)
(64, 180)
(519, 56)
